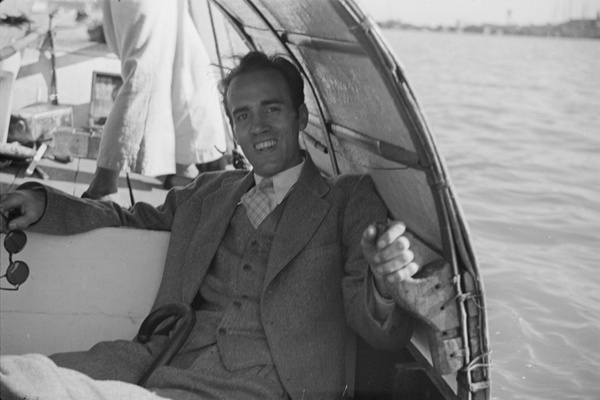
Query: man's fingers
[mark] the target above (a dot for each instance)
(8, 203)
(22, 207)
(394, 231)
(397, 263)
(369, 235)
(395, 249)
(20, 222)
(403, 274)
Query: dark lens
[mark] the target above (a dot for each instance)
(15, 241)
(17, 273)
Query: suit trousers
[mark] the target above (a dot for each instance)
(194, 376)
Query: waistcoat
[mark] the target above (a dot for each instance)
(228, 302)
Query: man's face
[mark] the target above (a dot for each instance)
(265, 123)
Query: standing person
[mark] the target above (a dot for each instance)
(166, 118)
(275, 287)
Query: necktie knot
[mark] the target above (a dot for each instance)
(265, 184)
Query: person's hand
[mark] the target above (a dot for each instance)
(387, 249)
(21, 208)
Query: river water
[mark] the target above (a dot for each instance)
(517, 120)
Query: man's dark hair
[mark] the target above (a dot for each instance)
(256, 60)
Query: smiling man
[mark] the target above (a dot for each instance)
(278, 263)
(266, 115)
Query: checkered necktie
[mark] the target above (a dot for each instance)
(256, 202)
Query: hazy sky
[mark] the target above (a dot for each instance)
(448, 12)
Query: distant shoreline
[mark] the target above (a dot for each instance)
(581, 28)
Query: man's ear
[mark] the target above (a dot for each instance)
(303, 116)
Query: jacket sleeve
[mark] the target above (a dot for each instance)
(66, 214)
(363, 208)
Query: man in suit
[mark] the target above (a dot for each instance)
(274, 291)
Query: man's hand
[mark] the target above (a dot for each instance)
(21, 208)
(389, 255)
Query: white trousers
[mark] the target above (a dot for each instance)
(34, 376)
(168, 110)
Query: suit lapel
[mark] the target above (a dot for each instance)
(216, 213)
(303, 213)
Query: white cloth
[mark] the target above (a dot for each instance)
(168, 110)
(34, 376)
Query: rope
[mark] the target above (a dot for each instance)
(475, 362)
(463, 297)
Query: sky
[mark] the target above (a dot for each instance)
(449, 12)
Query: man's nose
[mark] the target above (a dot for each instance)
(259, 125)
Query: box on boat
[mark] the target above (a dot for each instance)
(105, 86)
(76, 143)
(85, 142)
(38, 122)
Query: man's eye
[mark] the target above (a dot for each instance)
(241, 117)
(272, 109)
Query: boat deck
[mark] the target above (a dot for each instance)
(74, 178)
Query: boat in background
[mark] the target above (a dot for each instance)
(364, 118)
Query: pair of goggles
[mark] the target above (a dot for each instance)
(17, 271)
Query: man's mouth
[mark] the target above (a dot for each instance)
(266, 145)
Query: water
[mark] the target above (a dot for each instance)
(518, 121)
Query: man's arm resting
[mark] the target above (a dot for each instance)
(23, 207)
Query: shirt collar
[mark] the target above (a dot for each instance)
(283, 181)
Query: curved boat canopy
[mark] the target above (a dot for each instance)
(364, 118)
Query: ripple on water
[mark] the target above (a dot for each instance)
(517, 121)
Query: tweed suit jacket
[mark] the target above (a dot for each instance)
(317, 281)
